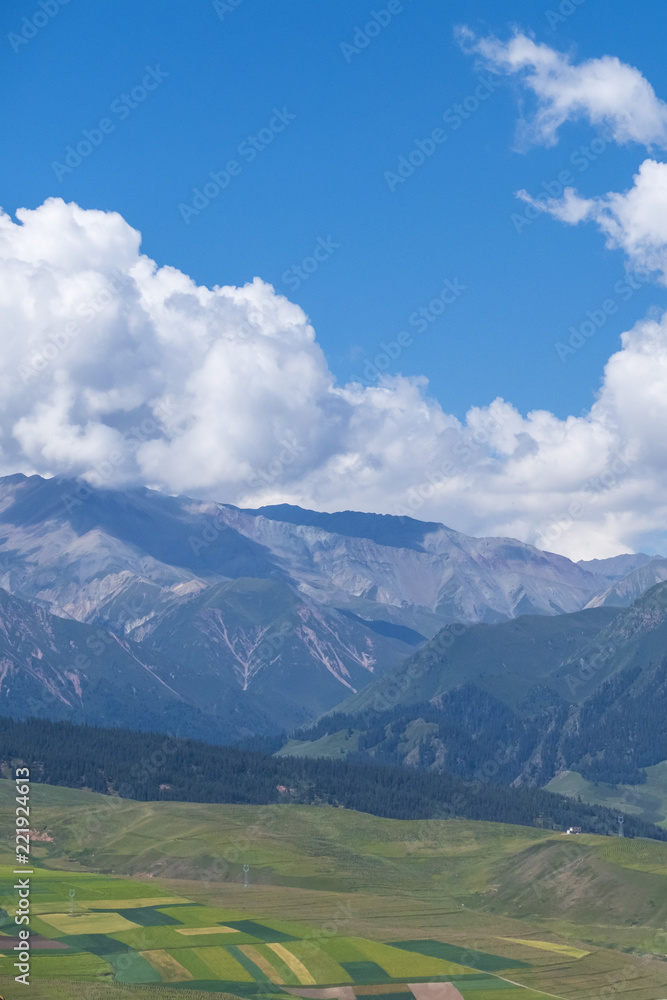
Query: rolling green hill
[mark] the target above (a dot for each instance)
(354, 899)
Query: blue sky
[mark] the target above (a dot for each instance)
(368, 160)
(324, 175)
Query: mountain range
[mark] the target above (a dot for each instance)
(518, 702)
(127, 607)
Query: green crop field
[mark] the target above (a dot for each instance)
(147, 899)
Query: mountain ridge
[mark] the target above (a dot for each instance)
(277, 614)
(531, 698)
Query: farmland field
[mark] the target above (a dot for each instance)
(95, 944)
(148, 899)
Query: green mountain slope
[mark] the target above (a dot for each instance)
(254, 622)
(523, 700)
(220, 665)
(57, 668)
(506, 660)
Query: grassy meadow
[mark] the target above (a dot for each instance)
(648, 800)
(147, 899)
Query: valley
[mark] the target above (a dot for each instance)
(333, 545)
(382, 702)
(154, 892)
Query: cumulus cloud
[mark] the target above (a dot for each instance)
(622, 439)
(126, 373)
(601, 91)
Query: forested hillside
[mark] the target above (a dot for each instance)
(153, 767)
(521, 701)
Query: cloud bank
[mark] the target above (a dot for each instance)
(125, 373)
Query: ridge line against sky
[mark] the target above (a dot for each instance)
(129, 373)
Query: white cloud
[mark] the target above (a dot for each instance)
(634, 221)
(224, 393)
(601, 91)
(605, 92)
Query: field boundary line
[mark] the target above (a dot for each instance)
(522, 986)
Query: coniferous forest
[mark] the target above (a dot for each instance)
(151, 766)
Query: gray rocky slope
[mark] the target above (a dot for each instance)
(274, 614)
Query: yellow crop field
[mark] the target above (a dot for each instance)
(89, 923)
(560, 949)
(132, 903)
(295, 964)
(262, 963)
(223, 965)
(169, 968)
